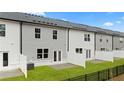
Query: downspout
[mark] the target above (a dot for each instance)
(112, 43)
(68, 40)
(20, 37)
(94, 44)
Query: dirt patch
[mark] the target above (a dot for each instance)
(118, 78)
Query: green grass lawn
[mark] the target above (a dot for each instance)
(46, 73)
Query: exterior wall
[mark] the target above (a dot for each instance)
(104, 43)
(76, 40)
(10, 44)
(117, 45)
(30, 44)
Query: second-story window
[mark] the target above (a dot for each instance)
(54, 34)
(86, 37)
(2, 30)
(100, 40)
(121, 40)
(37, 33)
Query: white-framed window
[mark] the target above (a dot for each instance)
(55, 34)
(42, 53)
(86, 37)
(121, 40)
(37, 33)
(2, 30)
(79, 50)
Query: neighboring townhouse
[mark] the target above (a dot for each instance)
(103, 40)
(118, 41)
(83, 39)
(47, 41)
(9, 44)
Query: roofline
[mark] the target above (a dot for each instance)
(77, 28)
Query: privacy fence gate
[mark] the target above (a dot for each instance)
(102, 75)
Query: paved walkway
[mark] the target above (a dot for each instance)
(11, 73)
(62, 66)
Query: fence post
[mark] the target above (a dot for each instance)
(117, 71)
(108, 74)
(123, 68)
(98, 75)
(85, 77)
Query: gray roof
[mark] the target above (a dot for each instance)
(24, 17)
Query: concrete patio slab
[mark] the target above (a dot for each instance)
(11, 73)
(62, 66)
(97, 61)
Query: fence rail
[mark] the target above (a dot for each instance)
(102, 75)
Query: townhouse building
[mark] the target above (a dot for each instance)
(47, 41)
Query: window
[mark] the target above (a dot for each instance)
(117, 48)
(100, 40)
(86, 37)
(121, 40)
(107, 40)
(2, 30)
(45, 53)
(54, 34)
(37, 32)
(102, 49)
(59, 55)
(42, 53)
(55, 56)
(39, 53)
(79, 50)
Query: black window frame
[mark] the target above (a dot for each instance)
(86, 37)
(107, 40)
(42, 53)
(55, 34)
(79, 50)
(37, 33)
(100, 40)
(39, 53)
(2, 30)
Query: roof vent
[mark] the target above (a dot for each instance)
(34, 20)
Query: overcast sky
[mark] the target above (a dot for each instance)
(108, 20)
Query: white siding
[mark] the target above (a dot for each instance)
(76, 40)
(10, 43)
(31, 44)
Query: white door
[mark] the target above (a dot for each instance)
(88, 53)
(57, 56)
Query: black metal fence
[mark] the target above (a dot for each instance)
(102, 75)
